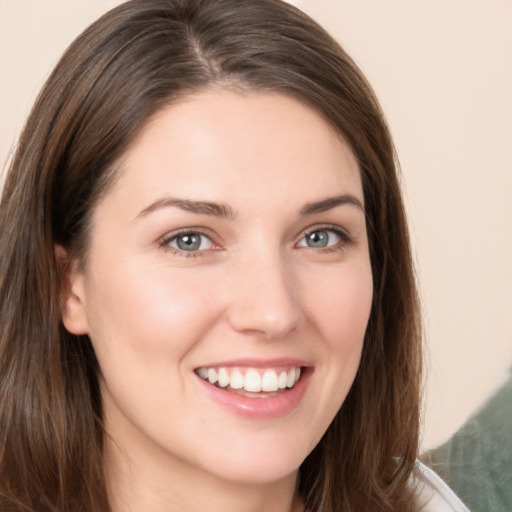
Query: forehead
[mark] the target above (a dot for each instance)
(235, 146)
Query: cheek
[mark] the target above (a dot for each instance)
(148, 310)
(144, 322)
(341, 306)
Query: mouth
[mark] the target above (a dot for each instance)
(252, 382)
(255, 388)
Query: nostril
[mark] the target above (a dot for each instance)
(265, 319)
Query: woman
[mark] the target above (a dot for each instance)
(207, 295)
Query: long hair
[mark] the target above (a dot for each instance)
(137, 58)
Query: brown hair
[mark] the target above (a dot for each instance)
(138, 57)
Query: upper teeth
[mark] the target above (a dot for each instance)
(252, 380)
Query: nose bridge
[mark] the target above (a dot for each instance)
(264, 299)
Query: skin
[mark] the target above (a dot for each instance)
(254, 289)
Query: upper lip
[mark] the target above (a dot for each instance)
(251, 362)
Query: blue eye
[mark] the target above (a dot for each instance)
(321, 239)
(190, 242)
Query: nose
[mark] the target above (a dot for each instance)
(264, 298)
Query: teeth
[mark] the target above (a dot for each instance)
(269, 381)
(253, 381)
(223, 378)
(281, 381)
(212, 376)
(290, 379)
(237, 380)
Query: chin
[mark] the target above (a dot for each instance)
(258, 474)
(250, 468)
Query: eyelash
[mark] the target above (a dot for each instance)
(164, 243)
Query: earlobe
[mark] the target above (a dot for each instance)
(72, 294)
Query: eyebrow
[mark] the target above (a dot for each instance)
(225, 211)
(188, 205)
(330, 203)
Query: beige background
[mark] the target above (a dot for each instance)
(443, 72)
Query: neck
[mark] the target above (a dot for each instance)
(144, 481)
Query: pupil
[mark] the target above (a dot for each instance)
(318, 239)
(189, 242)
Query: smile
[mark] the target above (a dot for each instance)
(252, 380)
(256, 389)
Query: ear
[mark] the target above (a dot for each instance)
(72, 294)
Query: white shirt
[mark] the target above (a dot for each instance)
(434, 494)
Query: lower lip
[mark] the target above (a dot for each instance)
(259, 407)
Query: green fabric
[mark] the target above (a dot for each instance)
(477, 461)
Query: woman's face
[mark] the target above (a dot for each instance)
(230, 255)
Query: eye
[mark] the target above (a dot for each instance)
(189, 241)
(323, 238)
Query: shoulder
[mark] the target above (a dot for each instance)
(433, 494)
